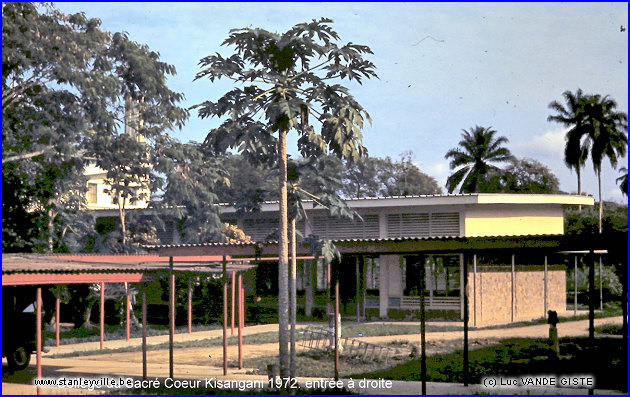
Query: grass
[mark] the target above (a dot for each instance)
(605, 359)
(609, 330)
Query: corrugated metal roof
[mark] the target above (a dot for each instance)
(373, 240)
(38, 263)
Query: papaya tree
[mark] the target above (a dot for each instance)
(280, 79)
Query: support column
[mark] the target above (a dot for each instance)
(462, 291)
(591, 296)
(601, 285)
(102, 316)
(465, 289)
(127, 312)
(171, 331)
(225, 317)
(358, 285)
(57, 318)
(190, 293)
(38, 334)
(144, 335)
(241, 320)
(233, 301)
(383, 287)
(474, 290)
(423, 344)
(545, 289)
(337, 318)
(513, 288)
(575, 286)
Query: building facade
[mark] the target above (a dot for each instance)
(390, 286)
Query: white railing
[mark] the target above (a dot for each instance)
(430, 303)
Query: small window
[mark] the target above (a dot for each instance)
(92, 193)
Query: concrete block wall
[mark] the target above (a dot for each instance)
(491, 299)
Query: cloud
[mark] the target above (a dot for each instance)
(438, 170)
(549, 143)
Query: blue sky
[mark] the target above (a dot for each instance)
(442, 67)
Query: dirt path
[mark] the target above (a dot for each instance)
(205, 362)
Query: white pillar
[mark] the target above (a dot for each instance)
(383, 287)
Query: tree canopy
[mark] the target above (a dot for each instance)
(282, 82)
(474, 158)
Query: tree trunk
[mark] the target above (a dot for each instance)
(601, 201)
(308, 288)
(283, 260)
(51, 230)
(293, 300)
(121, 213)
(87, 324)
(579, 180)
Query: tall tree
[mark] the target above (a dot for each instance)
(477, 150)
(522, 176)
(282, 76)
(574, 117)
(66, 87)
(623, 180)
(608, 131)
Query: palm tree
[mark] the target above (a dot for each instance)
(477, 150)
(623, 180)
(608, 130)
(574, 117)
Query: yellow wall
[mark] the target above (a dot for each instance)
(506, 220)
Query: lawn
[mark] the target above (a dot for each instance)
(605, 359)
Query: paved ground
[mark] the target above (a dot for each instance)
(204, 363)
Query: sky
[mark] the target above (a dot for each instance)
(442, 67)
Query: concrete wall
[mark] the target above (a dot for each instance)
(491, 298)
(97, 176)
(504, 219)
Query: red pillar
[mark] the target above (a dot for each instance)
(337, 316)
(57, 316)
(171, 333)
(233, 296)
(189, 306)
(102, 314)
(241, 320)
(225, 317)
(144, 335)
(38, 335)
(127, 312)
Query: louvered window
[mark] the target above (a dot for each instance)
(339, 229)
(445, 224)
(423, 224)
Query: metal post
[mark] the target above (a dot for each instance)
(475, 290)
(225, 317)
(102, 315)
(292, 300)
(57, 318)
(357, 288)
(241, 320)
(591, 296)
(513, 279)
(423, 344)
(38, 334)
(545, 286)
(601, 285)
(127, 312)
(171, 333)
(336, 323)
(190, 293)
(465, 289)
(233, 302)
(575, 286)
(144, 335)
